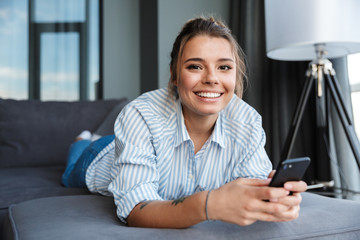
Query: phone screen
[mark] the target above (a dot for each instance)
(290, 170)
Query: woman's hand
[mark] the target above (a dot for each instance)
(242, 201)
(296, 187)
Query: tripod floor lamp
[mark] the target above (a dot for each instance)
(315, 30)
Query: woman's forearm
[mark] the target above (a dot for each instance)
(180, 213)
(240, 201)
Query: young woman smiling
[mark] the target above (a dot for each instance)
(205, 85)
(194, 151)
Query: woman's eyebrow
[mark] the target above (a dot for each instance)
(194, 59)
(226, 60)
(202, 60)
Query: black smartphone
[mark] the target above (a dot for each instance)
(290, 170)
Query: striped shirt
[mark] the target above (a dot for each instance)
(152, 156)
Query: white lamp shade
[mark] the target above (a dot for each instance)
(293, 27)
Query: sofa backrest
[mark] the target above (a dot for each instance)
(35, 133)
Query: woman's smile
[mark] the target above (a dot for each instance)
(208, 94)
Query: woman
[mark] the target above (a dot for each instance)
(194, 151)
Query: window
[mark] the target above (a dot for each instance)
(14, 50)
(354, 78)
(52, 49)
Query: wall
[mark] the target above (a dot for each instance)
(122, 41)
(121, 49)
(172, 15)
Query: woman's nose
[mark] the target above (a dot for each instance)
(211, 77)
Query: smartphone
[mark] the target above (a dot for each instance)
(290, 170)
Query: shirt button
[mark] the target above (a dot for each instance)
(191, 176)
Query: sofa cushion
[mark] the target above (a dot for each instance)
(36, 133)
(21, 184)
(94, 217)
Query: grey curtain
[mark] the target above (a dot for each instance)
(274, 89)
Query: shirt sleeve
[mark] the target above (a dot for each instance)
(255, 162)
(134, 171)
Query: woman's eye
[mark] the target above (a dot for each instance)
(194, 67)
(225, 67)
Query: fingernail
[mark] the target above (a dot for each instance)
(274, 200)
(288, 186)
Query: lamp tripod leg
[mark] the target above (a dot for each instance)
(304, 97)
(344, 116)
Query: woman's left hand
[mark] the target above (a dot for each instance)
(292, 201)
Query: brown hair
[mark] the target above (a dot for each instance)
(213, 28)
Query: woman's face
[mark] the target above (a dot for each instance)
(207, 76)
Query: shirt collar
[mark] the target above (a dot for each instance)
(182, 134)
(218, 133)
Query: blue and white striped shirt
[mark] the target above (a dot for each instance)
(152, 156)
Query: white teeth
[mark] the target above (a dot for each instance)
(208, 94)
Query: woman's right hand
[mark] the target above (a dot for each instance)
(243, 202)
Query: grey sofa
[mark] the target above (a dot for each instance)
(34, 139)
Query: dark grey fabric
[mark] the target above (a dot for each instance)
(94, 217)
(21, 184)
(35, 133)
(107, 125)
(3, 219)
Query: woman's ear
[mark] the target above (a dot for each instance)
(172, 78)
